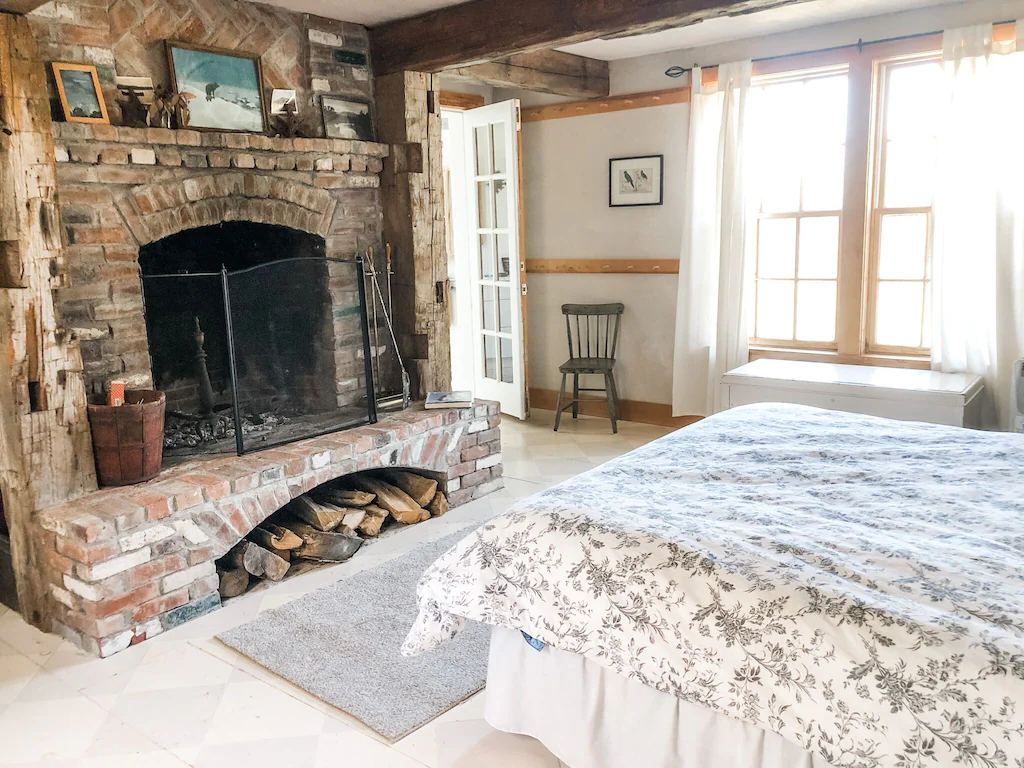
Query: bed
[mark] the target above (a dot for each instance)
(848, 590)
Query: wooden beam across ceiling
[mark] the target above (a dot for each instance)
(485, 30)
(563, 74)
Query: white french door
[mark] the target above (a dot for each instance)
(497, 271)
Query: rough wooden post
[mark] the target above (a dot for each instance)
(412, 187)
(45, 449)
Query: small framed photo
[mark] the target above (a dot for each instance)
(225, 88)
(141, 87)
(283, 101)
(80, 93)
(636, 181)
(344, 119)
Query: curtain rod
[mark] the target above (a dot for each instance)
(860, 45)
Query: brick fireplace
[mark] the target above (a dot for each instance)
(95, 209)
(124, 564)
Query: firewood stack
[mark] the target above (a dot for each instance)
(328, 525)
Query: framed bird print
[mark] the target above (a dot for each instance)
(636, 181)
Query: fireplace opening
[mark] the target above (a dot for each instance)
(250, 324)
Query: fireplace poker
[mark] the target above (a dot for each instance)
(374, 359)
(406, 387)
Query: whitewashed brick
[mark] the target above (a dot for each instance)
(62, 595)
(324, 164)
(186, 577)
(87, 591)
(323, 37)
(480, 410)
(489, 461)
(108, 568)
(456, 436)
(320, 460)
(144, 156)
(99, 56)
(321, 85)
(361, 73)
(454, 484)
(192, 533)
(61, 154)
(144, 537)
(480, 425)
(116, 643)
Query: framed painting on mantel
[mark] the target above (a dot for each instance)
(224, 88)
(635, 181)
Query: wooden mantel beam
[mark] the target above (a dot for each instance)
(20, 6)
(543, 71)
(484, 30)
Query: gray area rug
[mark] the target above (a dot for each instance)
(341, 643)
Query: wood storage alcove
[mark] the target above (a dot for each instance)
(329, 524)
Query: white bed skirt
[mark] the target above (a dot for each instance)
(591, 717)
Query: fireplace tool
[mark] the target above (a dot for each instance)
(208, 425)
(371, 272)
(405, 397)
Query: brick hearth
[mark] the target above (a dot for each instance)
(124, 564)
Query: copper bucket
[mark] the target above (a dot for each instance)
(128, 440)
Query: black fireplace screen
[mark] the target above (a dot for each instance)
(260, 356)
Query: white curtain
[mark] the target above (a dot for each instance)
(978, 221)
(711, 318)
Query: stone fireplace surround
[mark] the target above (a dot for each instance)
(124, 564)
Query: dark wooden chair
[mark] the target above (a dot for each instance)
(591, 353)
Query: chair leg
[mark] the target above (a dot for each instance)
(560, 406)
(613, 401)
(576, 396)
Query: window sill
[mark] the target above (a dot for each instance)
(815, 356)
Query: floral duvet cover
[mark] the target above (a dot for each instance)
(854, 584)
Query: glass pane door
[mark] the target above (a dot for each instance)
(492, 149)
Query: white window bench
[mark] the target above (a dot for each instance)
(895, 393)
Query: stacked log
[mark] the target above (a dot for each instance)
(329, 525)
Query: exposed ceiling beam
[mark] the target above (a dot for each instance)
(484, 30)
(20, 6)
(555, 72)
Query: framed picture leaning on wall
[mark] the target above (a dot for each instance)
(636, 181)
(80, 95)
(226, 88)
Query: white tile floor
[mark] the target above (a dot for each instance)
(185, 699)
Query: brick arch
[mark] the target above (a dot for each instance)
(155, 211)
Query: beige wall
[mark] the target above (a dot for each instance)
(565, 180)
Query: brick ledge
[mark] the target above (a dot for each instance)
(115, 134)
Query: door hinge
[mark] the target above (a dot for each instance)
(519, 116)
(440, 292)
(523, 289)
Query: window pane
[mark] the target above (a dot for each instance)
(483, 150)
(488, 305)
(504, 258)
(499, 148)
(776, 248)
(484, 203)
(816, 310)
(505, 309)
(914, 101)
(500, 203)
(780, 183)
(506, 361)
(819, 247)
(486, 257)
(491, 358)
(775, 309)
(903, 247)
(909, 173)
(824, 173)
(826, 99)
(898, 317)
